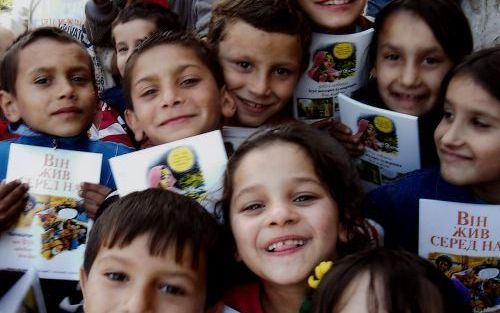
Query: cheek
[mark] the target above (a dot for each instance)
(439, 132)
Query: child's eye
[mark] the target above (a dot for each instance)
(190, 82)
(281, 71)
(392, 57)
(41, 81)
(122, 50)
(303, 198)
(447, 115)
(148, 92)
(252, 207)
(244, 65)
(172, 290)
(79, 79)
(114, 276)
(431, 60)
(479, 123)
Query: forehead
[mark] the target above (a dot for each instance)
(241, 37)
(465, 93)
(136, 28)
(166, 58)
(51, 53)
(407, 29)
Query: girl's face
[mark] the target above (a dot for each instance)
(410, 64)
(468, 137)
(282, 216)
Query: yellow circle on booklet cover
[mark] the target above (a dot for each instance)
(343, 50)
(383, 124)
(180, 159)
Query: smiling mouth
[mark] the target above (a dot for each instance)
(177, 120)
(450, 156)
(285, 245)
(253, 107)
(67, 110)
(335, 2)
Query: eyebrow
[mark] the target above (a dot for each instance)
(178, 70)
(296, 180)
(52, 69)
(431, 49)
(485, 113)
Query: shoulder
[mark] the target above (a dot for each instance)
(244, 298)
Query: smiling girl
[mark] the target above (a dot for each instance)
(291, 200)
(468, 145)
(415, 44)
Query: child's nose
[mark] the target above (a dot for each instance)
(409, 75)
(281, 214)
(66, 89)
(139, 299)
(259, 84)
(170, 97)
(451, 135)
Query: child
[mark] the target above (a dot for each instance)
(336, 17)
(381, 280)
(415, 43)
(130, 28)
(291, 199)
(468, 144)
(263, 48)
(168, 101)
(48, 90)
(168, 260)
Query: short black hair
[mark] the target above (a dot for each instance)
(187, 39)
(9, 65)
(171, 221)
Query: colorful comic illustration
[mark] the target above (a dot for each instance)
(333, 62)
(479, 277)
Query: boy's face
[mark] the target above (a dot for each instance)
(54, 87)
(261, 70)
(174, 100)
(129, 279)
(333, 15)
(128, 36)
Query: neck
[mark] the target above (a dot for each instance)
(283, 299)
(490, 193)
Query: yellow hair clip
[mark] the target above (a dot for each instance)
(319, 272)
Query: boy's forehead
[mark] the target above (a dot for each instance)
(52, 52)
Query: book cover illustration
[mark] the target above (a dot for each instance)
(52, 230)
(463, 241)
(391, 141)
(233, 136)
(337, 64)
(192, 166)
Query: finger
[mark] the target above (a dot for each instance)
(93, 197)
(341, 128)
(325, 123)
(91, 209)
(15, 195)
(96, 188)
(9, 216)
(6, 188)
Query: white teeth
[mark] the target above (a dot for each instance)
(336, 2)
(289, 242)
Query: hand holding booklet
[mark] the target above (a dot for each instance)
(391, 141)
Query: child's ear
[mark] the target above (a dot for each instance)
(9, 106)
(135, 125)
(83, 279)
(373, 73)
(344, 235)
(227, 103)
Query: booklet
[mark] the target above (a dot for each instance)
(463, 241)
(391, 140)
(52, 231)
(24, 296)
(192, 166)
(338, 63)
(233, 136)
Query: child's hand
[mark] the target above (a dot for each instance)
(13, 198)
(352, 143)
(93, 196)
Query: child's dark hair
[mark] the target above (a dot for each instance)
(161, 17)
(399, 281)
(9, 64)
(483, 67)
(331, 164)
(185, 39)
(171, 221)
(274, 16)
(444, 17)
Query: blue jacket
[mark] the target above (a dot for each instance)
(395, 206)
(77, 143)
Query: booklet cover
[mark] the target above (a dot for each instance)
(233, 136)
(338, 63)
(391, 140)
(193, 166)
(463, 241)
(52, 231)
(24, 296)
